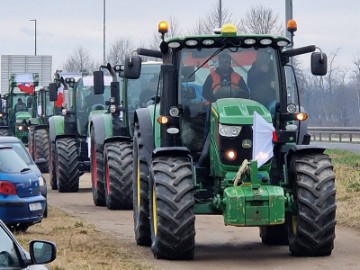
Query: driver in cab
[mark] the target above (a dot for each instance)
(224, 82)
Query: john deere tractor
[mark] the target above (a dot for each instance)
(69, 157)
(245, 158)
(18, 106)
(111, 135)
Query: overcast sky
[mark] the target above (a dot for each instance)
(63, 25)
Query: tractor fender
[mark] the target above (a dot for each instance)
(171, 151)
(102, 125)
(143, 117)
(291, 150)
(42, 126)
(56, 127)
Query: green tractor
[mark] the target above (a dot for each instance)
(111, 136)
(17, 109)
(230, 151)
(38, 137)
(69, 156)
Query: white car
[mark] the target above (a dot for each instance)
(13, 256)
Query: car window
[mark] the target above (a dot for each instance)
(8, 254)
(10, 161)
(21, 151)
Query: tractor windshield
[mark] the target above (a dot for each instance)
(86, 101)
(230, 72)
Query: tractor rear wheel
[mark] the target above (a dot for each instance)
(52, 166)
(97, 171)
(31, 142)
(5, 132)
(67, 173)
(171, 208)
(118, 169)
(41, 148)
(312, 222)
(140, 186)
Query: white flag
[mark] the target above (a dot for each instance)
(262, 144)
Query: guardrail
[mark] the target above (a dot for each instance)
(335, 134)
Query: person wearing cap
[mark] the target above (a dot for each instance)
(261, 79)
(224, 82)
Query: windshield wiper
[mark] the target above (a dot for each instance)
(208, 59)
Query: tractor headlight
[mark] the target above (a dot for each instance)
(231, 155)
(229, 131)
(21, 128)
(63, 111)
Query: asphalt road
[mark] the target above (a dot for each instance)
(217, 246)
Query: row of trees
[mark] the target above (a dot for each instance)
(332, 100)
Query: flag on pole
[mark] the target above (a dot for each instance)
(262, 136)
(60, 97)
(25, 82)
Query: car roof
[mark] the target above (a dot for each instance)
(9, 139)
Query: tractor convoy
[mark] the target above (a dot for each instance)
(215, 127)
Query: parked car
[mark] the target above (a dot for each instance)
(13, 256)
(20, 148)
(21, 203)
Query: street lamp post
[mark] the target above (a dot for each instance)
(34, 20)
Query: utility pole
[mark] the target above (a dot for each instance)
(288, 16)
(34, 20)
(104, 36)
(220, 13)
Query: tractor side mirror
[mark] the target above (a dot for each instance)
(53, 92)
(132, 67)
(318, 63)
(98, 82)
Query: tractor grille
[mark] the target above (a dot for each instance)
(235, 144)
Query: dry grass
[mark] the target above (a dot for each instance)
(347, 171)
(82, 246)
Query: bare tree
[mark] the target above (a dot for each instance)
(356, 78)
(212, 20)
(80, 60)
(261, 20)
(118, 50)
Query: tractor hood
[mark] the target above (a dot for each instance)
(235, 111)
(23, 115)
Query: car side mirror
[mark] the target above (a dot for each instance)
(132, 67)
(98, 82)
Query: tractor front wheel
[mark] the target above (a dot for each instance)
(97, 171)
(171, 208)
(67, 172)
(312, 221)
(118, 169)
(140, 186)
(52, 166)
(41, 148)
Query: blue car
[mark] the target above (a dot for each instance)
(21, 203)
(20, 149)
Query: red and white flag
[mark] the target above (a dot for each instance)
(60, 97)
(25, 82)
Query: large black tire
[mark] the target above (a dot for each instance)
(140, 186)
(52, 166)
(67, 172)
(97, 171)
(171, 208)
(274, 235)
(312, 222)
(41, 148)
(118, 169)
(5, 132)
